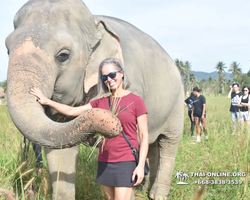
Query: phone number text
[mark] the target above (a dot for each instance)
(218, 182)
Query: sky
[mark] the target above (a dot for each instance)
(201, 32)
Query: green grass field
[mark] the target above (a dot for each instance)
(222, 153)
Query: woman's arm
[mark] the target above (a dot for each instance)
(240, 104)
(192, 114)
(248, 101)
(142, 122)
(143, 135)
(62, 108)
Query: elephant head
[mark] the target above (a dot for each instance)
(58, 50)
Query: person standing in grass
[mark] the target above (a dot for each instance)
(244, 104)
(189, 103)
(235, 95)
(39, 157)
(38, 154)
(117, 169)
(199, 113)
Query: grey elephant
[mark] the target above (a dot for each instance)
(58, 46)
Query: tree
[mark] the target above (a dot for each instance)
(243, 79)
(209, 88)
(248, 73)
(215, 86)
(187, 67)
(223, 82)
(210, 80)
(180, 66)
(220, 67)
(4, 85)
(184, 69)
(235, 70)
(192, 80)
(202, 85)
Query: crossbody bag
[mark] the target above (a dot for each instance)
(135, 151)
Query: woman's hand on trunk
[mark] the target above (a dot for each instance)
(61, 108)
(40, 96)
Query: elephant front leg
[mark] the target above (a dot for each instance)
(161, 180)
(64, 161)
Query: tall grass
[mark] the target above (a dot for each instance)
(221, 153)
(16, 173)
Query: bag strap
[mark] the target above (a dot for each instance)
(129, 143)
(131, 146)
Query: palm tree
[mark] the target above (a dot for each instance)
(210, 81)
(210, 84)
(235, 70)
(220, 67)
(187, 67)
(216, 86)
(180, 66)
(192, 80)
(202, 84)
(223, 82)
(184, 69)
(186, 83)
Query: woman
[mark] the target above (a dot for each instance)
(244, 105)
(117, 170)
(189, 103)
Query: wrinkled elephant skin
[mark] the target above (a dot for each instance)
(58, 46)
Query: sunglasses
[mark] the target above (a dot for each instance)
(110, 75)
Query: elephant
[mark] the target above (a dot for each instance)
(58, 46)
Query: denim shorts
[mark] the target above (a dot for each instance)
(244, 116)
(235, 116)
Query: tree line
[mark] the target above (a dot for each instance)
(215, 86)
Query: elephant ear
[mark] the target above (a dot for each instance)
(107, 46)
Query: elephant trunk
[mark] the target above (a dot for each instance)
(29, 116)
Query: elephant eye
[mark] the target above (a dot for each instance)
(62, 57)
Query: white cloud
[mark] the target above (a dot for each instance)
(202, 32)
